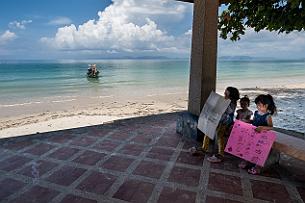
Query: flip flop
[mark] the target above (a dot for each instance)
(254, 171)
(215, 159)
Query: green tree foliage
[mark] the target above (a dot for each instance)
(273, 15)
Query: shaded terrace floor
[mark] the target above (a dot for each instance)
(133, 160)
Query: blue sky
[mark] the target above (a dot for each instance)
(85, 29)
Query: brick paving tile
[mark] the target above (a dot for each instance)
(171, 132)
(225, 183)
(13, 162)
(120, 135)
(89, 158)
(149, 132)
(211, 199)
(190, 143)
(132, 149)
(160, 153)
(40, 149)
(65, 175)
(76, 199)
(61, 138)
(149, 169)
(170, 195)
(134, 191)
(42, 167)
(143, 139)
(186, 176)
(63, 153)
(269, 191)
(106, 145)
(301, 191)
(17, 145)
(9, 186)
(226, 165)
(97, 183)
(100, 132)
(168, 141)
(83, 141)
(270, 172)
(3, 152)
(36, 194)
(187, 158)
(117, 163)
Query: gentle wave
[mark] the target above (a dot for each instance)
(62, 101)
(21, 104)
(34, 102)
(169, 93)
(100, 97)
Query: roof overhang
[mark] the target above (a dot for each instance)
(192, 1)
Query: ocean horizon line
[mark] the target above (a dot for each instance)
(220, 59)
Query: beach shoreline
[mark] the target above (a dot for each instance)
(81, 112)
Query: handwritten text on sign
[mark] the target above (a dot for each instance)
(246, 143)
(211, 114)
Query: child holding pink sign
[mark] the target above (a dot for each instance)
(263, 121)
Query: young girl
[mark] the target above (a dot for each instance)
(225, 122)
(244, 114)
(262, 120)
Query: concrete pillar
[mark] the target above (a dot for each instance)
(203, 54)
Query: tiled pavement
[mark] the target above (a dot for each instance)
(134, 160)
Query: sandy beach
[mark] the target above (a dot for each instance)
(79, 112)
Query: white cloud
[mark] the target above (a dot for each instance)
(19, 24)
(265, 44)
(189, 32)
(6, 37)
(61, 20)
(125, 26)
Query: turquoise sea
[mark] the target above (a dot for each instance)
(31, 81)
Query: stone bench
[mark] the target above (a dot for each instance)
(290, 145)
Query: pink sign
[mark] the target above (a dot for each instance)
(246, 143)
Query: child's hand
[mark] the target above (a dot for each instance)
(263, 128)
(259, 129)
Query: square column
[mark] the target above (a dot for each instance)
(203, 54)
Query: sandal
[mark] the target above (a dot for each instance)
(254, 171)
(197, 151)
(215, 159)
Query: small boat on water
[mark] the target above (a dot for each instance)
(92, 71)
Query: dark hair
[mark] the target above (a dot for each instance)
(245, 99)
(234, 94)
(266, 99)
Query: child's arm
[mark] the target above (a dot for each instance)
(262, 128)
(238, 114)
